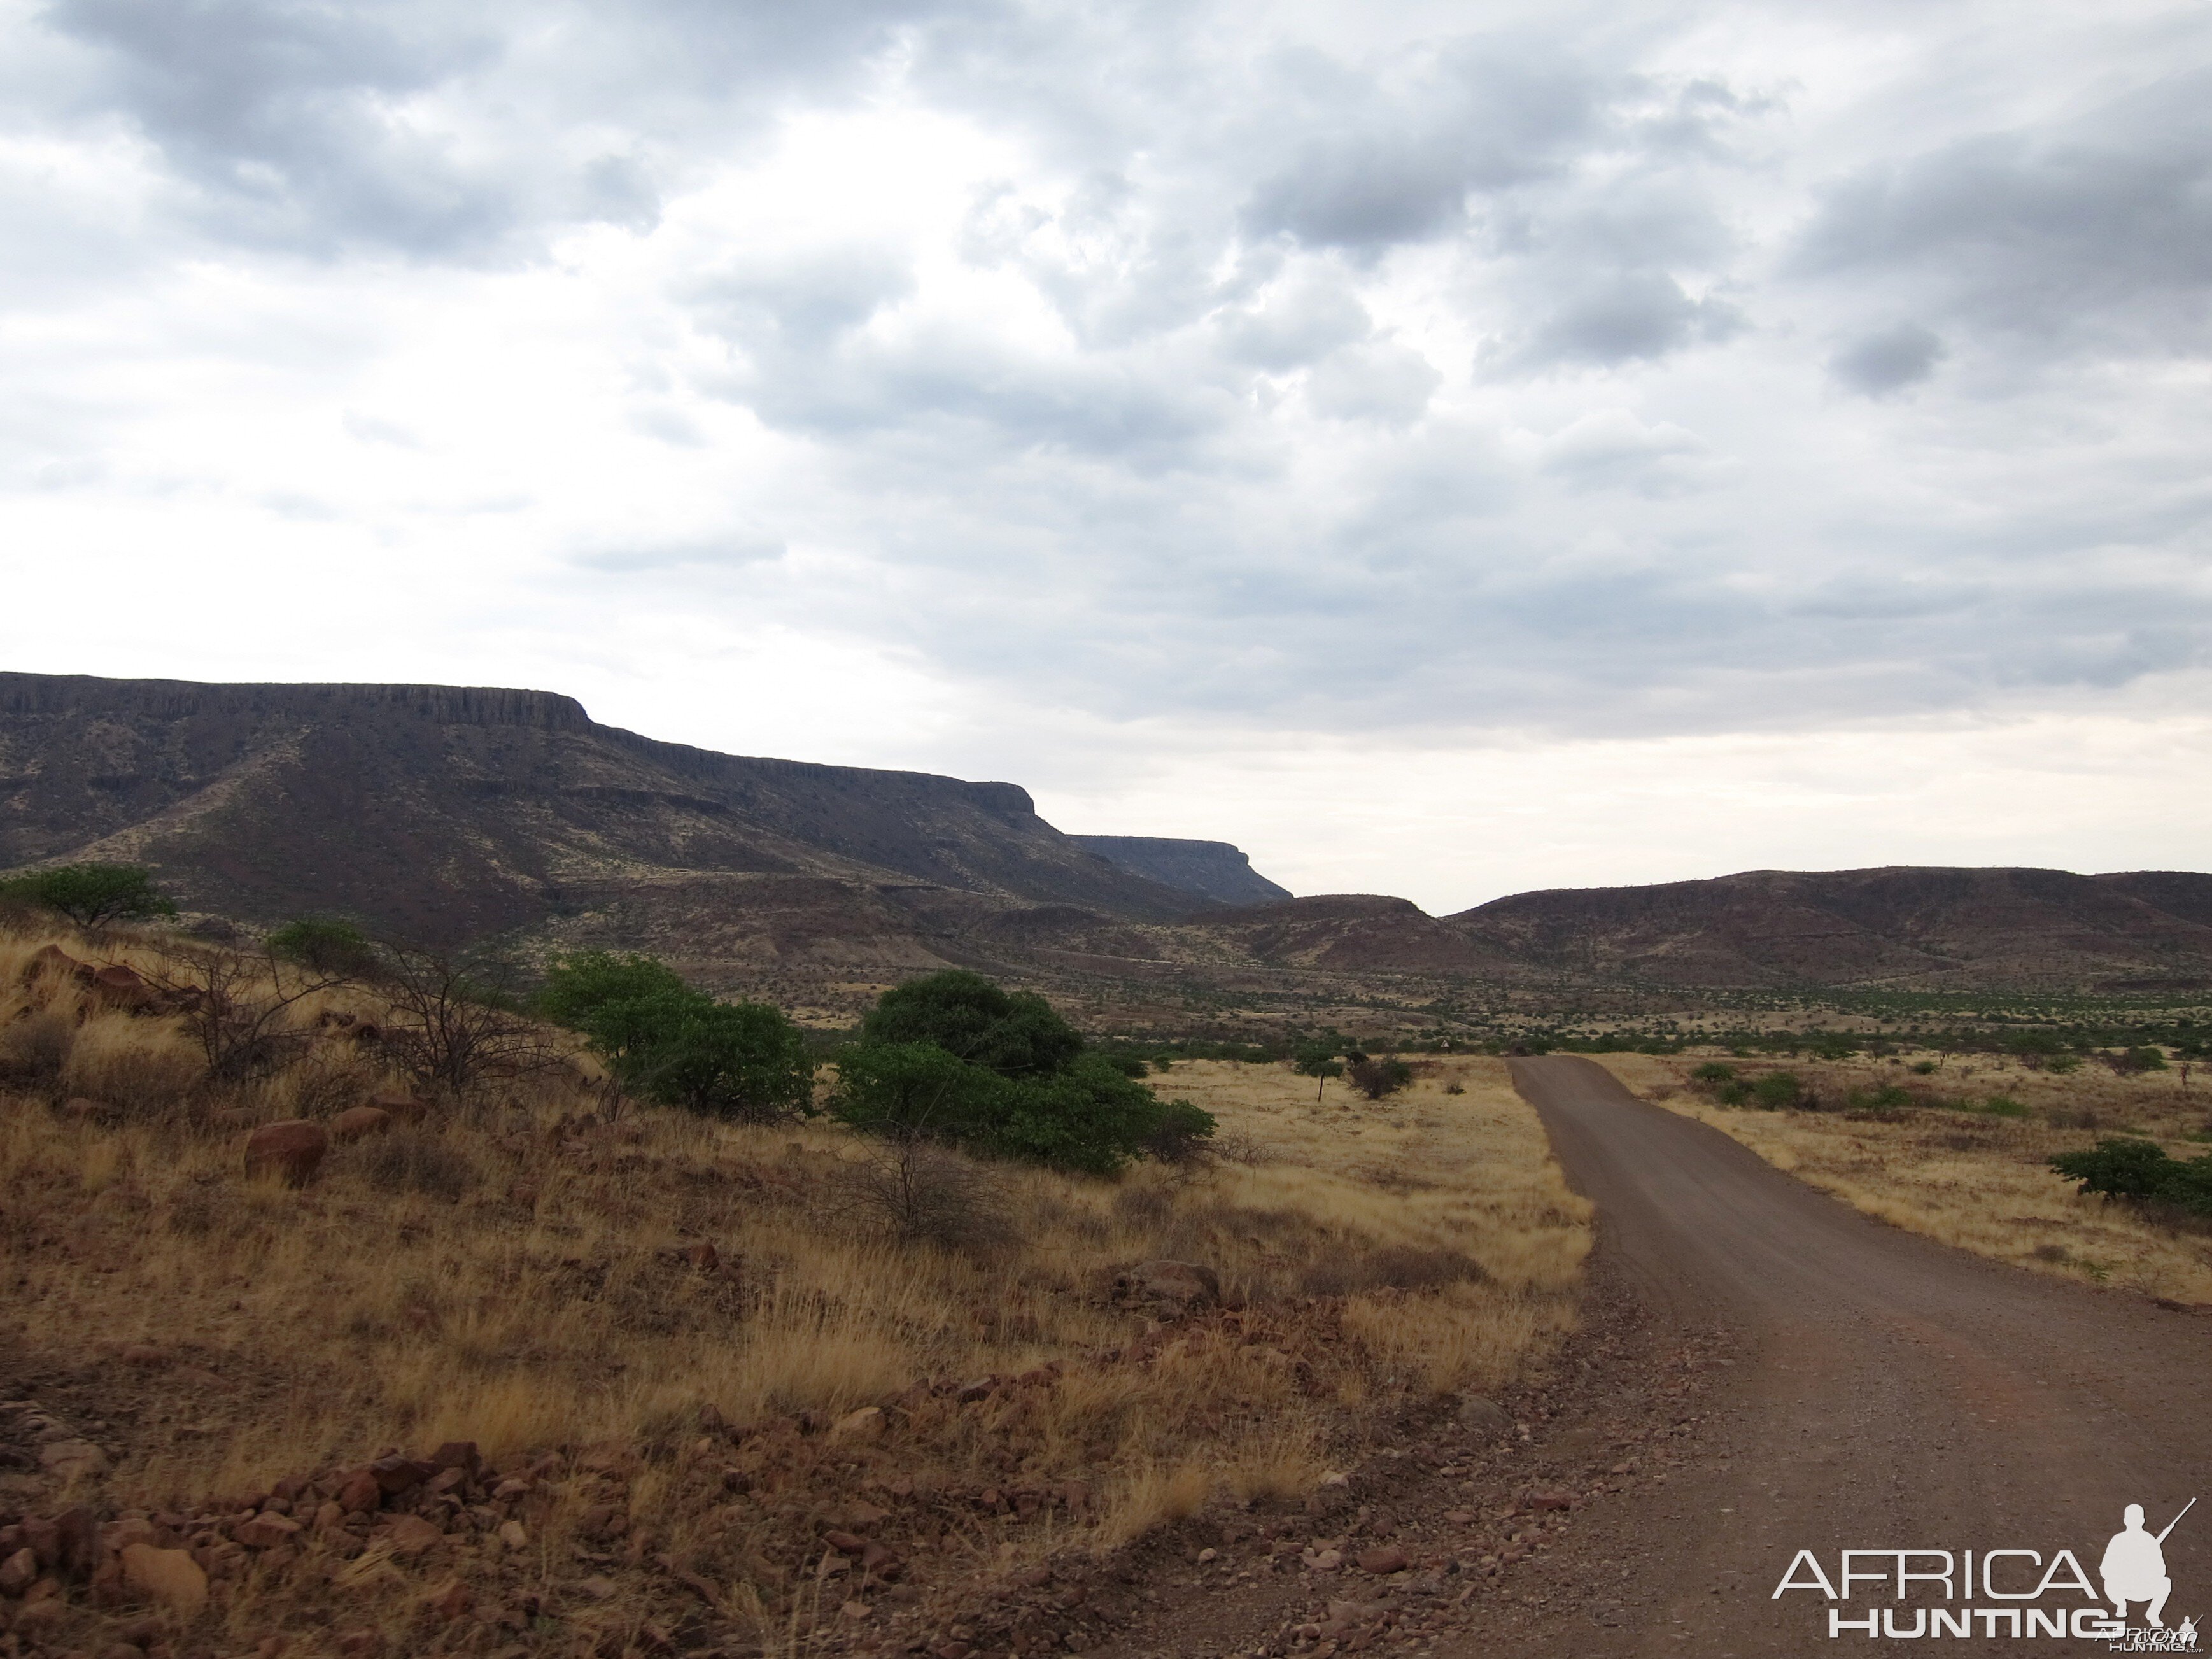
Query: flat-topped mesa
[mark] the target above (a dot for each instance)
(51, 694)
(446, 815)
(1212, 869)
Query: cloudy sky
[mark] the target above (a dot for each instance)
(1447, 449)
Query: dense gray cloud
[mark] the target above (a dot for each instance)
(1888, 359)
(1336, 369)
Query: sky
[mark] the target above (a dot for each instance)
(1446, 450)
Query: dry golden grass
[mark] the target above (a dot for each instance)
(511, 1275)
(1971, 1179)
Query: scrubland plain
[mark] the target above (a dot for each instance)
(1950, 1166)
(698, 1393)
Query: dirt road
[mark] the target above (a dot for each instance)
(1886, 1393)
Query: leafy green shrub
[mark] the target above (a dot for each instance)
(1714, 1072)
(1013, 1033)
(1778, 1089)
(2003, 1106)
(90, 895)
(2124, 1168)
(680, 1047)
(1733, 1093)
(1922, 1068)
(1034, 1093)
(324, 944)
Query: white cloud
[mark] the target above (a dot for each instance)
(1008, 389)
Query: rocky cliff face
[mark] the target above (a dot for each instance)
(448, 814)
(1211, 869)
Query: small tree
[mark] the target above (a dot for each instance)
(1779, 1089)
(237, 1007)
(1317, 1061)
(450, 1029)
(91, 894)
(326, 945)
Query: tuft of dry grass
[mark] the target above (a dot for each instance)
(699, 1296)
(1969, 1177)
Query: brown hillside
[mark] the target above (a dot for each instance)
(448, 814)
(1901, 925)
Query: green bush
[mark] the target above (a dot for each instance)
(2122, 1167)
(324, 944)
(679, 1047)
(2003, 1106)
(90, 895)
(1714, 1072)
(1733, 1093)
(1013, 1033)
(1017, 1085)
(1778, 1089)
(1378, 1078)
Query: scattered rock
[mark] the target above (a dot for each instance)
(410, 1534)
(402, 1108)
(396, 1473)
(866, 1424)
(1550, 1500)
(512, 1535)
(72, 1460)
(1483, 1417)
(18, 1573)
(460, 1455)
(702, 1255)
(600, 1588)
(292, 1150)
(170, 1577)
(266, 1530)
(451, 1600)
(1184, 1284)
(357, 1122)
(1385, 1559)
(361, 1493)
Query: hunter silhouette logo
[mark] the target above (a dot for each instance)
(2013, 1594)
(2134, 1567)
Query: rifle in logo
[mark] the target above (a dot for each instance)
(2134, 1567)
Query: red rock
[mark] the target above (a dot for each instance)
(171, 1577)
(266, 1531)
(410, 1534)
(702, 1255)
(18, 1573)
(360, 1644)
(396, 1473)
(1384, 1558)
(292, 1150)
(329, 1516)
(451, 1600)
(357, 1122)
(866, 1424)
(361, 1493)
(510, 1489)
(1550, 1500)
(845, 1543)
(406, 1109)
(458, 1454)
(77, 1533)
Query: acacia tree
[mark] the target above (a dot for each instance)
(237, 1006)
(91, 894)
(449, 1028)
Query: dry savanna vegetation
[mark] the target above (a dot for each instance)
(520, 1366)
(1961, 1153)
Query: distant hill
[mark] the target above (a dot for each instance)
(1904, 926)
(1212, 869)
(449, 814)
(453, 816)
